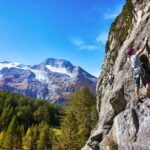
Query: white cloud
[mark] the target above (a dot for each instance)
(77, 41)
(102, 37)
(113, 14)
(82, 45)
(89, 47)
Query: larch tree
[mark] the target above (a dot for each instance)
(44, 142)
(13, 135)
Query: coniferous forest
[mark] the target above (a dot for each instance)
(28, 124)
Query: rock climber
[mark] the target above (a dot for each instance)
(111, 79)
(138, 71)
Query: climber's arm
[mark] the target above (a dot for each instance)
(145, 45)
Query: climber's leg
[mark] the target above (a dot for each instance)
(137, 91)
(137, 86)
(147, 90)
(148, 50)
(146, 80)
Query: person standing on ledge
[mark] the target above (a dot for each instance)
(138, 71)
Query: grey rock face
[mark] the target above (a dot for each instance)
(53, 79)
(122, 122)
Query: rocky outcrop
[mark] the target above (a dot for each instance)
(123, 123)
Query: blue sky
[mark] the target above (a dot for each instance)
(75, 30)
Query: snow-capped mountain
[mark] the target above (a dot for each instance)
(53, 79)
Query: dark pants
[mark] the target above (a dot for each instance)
(145, 79)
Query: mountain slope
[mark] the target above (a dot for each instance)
(123, 123)
(53, 79)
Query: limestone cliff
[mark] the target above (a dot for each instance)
(122, 123)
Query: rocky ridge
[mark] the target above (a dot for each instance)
(53, 79)
(123, 124)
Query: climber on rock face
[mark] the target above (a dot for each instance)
(111, 79)
(138, 70)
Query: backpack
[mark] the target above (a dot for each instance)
(145, 63)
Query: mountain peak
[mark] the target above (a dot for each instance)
(5, 62)
(57, 63)
(53, 79)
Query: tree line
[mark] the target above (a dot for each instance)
(80, 118)
(28, 124)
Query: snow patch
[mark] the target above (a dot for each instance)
(40, 75)
(8, 65)
(59, 70)
(1, 76)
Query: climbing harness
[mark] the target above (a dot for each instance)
(140, 71)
